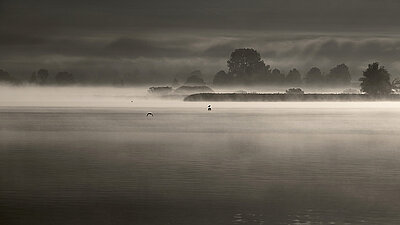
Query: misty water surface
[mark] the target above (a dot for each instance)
(241, 163)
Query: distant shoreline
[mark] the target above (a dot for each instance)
(281, 97)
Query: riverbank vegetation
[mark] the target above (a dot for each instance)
(245, 68)
(282, 97)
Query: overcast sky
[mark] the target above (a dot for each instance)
(156, 40)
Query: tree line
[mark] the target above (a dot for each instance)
(245, 67)
(40, 77)
(5, 77)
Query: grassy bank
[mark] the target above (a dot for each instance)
(253, 97)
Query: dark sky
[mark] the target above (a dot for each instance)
(156, 40)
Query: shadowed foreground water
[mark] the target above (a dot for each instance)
(186, 165)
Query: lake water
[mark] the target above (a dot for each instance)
(241, 163)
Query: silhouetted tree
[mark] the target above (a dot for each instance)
(42, 76)
(293, 77)
(263, 76)
(314, 76)
(277, 77)
(195, 78)
(7, 78)
(222, 78)
(245, 64)
(339, 75)
(64, 78)
(4, 75)
(376, 80)
(33, 79)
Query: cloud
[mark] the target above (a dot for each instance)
(15, 39)
(133, 48)
(257, 15)
(158, 39)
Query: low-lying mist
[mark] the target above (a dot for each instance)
(139, 97)
(69, 96)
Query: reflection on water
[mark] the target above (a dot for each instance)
(249, 164)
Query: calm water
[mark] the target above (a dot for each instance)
(242, 163)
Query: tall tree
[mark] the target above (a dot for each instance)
(314, 76)
(4, 75)
(245, 64)
(7, 78)
(264, 76)
(42, 76)
(376, 80)
(293, 77)
(33, 79)
(64, 78)
(277, 77)
(339, 75)
(222, 78)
